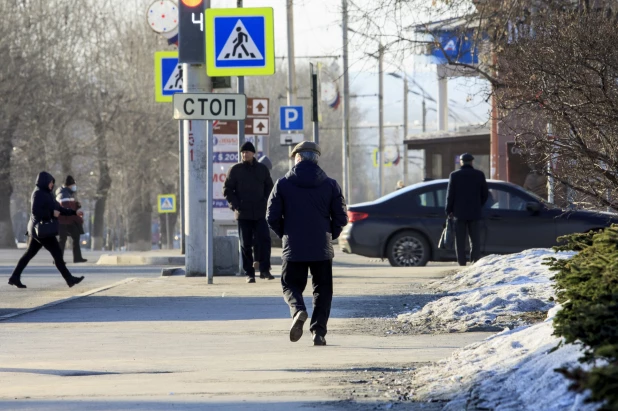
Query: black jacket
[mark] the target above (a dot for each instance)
(307, 210)
(44, 204)
(467, 193)
(246, 189)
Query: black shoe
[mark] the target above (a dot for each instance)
(16, 283)
(74, 280)
(250, 279)
(83, 260)
(297, 325)
(266, 276)
(319, 339)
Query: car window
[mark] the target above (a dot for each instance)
(432, 198)
(441, 197)
(505, 200)
(427, 199)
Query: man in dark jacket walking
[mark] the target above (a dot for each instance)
(307, 210)
(466, 194)
(247, 187)
(70, 225)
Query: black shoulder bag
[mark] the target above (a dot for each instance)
(45, 229)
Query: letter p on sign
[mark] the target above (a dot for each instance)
(291, 118)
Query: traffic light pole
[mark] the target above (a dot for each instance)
(196, 196)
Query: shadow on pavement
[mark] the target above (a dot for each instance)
(75, 373)
(98, 308)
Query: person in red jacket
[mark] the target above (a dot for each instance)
(70, 225)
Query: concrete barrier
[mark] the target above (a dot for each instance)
(226, 258)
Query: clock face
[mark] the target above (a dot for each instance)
(163, 16)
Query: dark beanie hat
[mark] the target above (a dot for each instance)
(248, 146)
(69, 181)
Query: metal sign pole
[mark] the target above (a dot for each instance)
(167, 230)
(240, 88)
(181, 200)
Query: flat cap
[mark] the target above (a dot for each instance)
(306, 146)
(466, 157)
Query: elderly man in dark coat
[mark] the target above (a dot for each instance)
(466, 194)
(307, 210)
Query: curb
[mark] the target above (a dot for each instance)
(65, 300)
(108, 259)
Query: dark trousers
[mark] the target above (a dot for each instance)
(471, 229)
(73, 231)
(247, 229)
(34, 246)
(294, 280)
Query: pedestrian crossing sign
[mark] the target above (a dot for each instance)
(240, 42)
(166, 203)
(168, 76)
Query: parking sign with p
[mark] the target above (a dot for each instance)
(291, 118)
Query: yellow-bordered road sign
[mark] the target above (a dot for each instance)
(168, 76)
(166, 203)
(240, 42)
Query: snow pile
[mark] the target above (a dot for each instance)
(512, 370)
(495, 291)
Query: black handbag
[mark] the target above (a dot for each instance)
(45, 229)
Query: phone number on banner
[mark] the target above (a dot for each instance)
(225, 157)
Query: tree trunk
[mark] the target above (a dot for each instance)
(66, 154)
(7, 237)
(140, 218)
(103, 187)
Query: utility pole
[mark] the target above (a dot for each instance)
(346, 105)
(424, 114)
(381, 120)
(442, 98)
(198, 147)
(291, 65)
(405, 128)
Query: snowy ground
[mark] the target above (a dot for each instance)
(511, 370)
(497, 291)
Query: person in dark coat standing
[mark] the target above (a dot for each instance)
(307, 210)
(70, 225)
(247, 187)
(44, 209)
(257, 256)
(466, 194)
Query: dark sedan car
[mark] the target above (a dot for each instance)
(405, 226)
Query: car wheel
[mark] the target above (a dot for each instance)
(407, 249)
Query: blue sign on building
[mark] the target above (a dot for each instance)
(291, 118)
(456, 47)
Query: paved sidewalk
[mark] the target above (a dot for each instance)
(179, 343)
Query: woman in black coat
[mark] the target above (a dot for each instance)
(44, 209)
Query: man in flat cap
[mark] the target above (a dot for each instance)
(307, 210)
(466, 194)
(247, 187)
